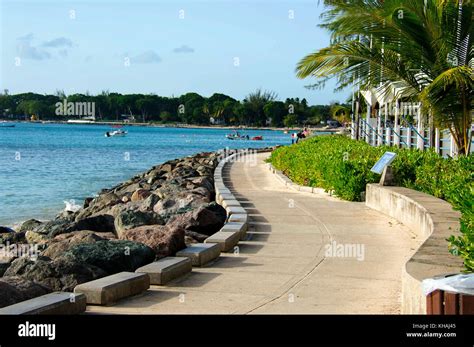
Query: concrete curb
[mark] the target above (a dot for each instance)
(55, 303)
(433, 220)
(225, 198)
(110, 289)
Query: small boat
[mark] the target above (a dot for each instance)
(236, 136)
(257, 138)
(118, 132)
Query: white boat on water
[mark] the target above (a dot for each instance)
(118, 132)
(85, 120)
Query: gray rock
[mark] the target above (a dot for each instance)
(6, 230)
(182, 203)
(12, 237)
(126, 189)
(206, 219)
(140, 194)
(30, 224)
(163, 240)
(33, 237)
(113, 256)
(102, 223)
(61, 274)
(130, 219)
(64, 242)
(103, 201)
(53, 227)
(4, 265)
(16, 289)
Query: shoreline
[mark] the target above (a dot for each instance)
(17, 224)
(181, 125)
(153, 214)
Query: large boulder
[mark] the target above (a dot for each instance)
(30, 224)
(13, 251)
(6, 230)
(16, 289)
(113, 256)
(102, 223)
(4, 265)
(103, 201)
(52, 227)
(148, 203)
(170, 189)
(11, 236)
(182, 172)
(140, 194)
(163, 240)
(61, 274)
(204, 182)
(64, 242)
(205, 219)
(34, 237)
(194, 237)
(131, 219)
(181, 203)
(126, 189)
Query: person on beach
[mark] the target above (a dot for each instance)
(294, 138)
(300, 135)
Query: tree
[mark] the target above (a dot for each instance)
(275, 110)
(147, 106)
(290, 120)
(167, 117)
(341, 113)
(254, 104)
(425, 46)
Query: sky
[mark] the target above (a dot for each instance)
(161, 47)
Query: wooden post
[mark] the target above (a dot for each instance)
(434, 303)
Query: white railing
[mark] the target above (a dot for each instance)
(406, 137)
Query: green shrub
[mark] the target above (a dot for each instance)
(339, 164)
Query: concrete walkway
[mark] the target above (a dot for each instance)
(285, 265)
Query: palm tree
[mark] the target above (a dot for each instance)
(255, 103)
(425, 46)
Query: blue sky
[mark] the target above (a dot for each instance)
(172, 47)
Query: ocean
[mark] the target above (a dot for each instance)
(43, 166)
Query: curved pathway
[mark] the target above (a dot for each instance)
(305, 253)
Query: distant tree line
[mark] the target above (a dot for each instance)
(260, 108)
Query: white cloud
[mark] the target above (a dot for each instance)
(58, 42)
(27, 50)
(183, 49)
(148, 57)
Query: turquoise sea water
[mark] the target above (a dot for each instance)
(43, 165)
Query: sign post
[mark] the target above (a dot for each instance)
(382, 166)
